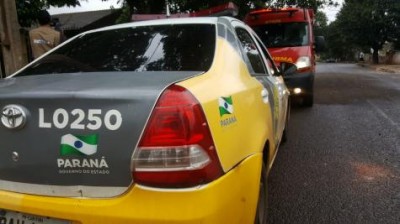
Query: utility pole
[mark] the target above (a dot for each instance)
(13, 45)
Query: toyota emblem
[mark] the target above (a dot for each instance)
(13, 116)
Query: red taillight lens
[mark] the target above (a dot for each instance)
(176, 149)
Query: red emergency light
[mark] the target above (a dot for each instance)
(279, 15)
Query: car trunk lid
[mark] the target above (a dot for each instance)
(80, 130)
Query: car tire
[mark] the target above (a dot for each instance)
(308, 100)
(262, 204)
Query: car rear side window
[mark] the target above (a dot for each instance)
(182, 47)
(250, 49)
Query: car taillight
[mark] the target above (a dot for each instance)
(176, 149)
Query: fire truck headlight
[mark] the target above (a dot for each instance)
(297, 90)
(303, 62)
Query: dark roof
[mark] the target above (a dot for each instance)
(83, 20)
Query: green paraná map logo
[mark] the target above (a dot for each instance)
(225, 105)
(78, 144)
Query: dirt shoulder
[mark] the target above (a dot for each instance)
(382, 67)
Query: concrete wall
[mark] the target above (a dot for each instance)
(396, 58)
(388, 59)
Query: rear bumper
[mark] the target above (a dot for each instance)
(304, 81)
(230, 199)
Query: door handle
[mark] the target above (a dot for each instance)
(265, 96)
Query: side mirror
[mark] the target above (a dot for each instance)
(319, 43)
(287, 68)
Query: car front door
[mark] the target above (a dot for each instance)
(281, 90)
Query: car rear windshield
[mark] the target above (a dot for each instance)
(182, 47)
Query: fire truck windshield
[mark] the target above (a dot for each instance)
(283, 34)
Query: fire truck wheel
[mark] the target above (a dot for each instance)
(308, 100)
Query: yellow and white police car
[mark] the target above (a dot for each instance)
(165, 121)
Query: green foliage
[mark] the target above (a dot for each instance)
(321, 19)
(337, 45)
(182, 6)
(368, 24)
(125, 14)
(314, 4)
(59, 3)
(27, 9)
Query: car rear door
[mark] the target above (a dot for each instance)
(257, 68)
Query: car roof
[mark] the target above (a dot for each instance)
(191, 20)
(155, 22)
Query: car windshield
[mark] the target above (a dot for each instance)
(283, 34)
(182, 47)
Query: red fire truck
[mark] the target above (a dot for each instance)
(288, 35)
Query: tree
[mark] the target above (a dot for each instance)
(369, 24)
(321, 19)
(27, 10)
(314, 4)
(321, 24)
(337, 46)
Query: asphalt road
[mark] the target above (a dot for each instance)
(341, 163)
